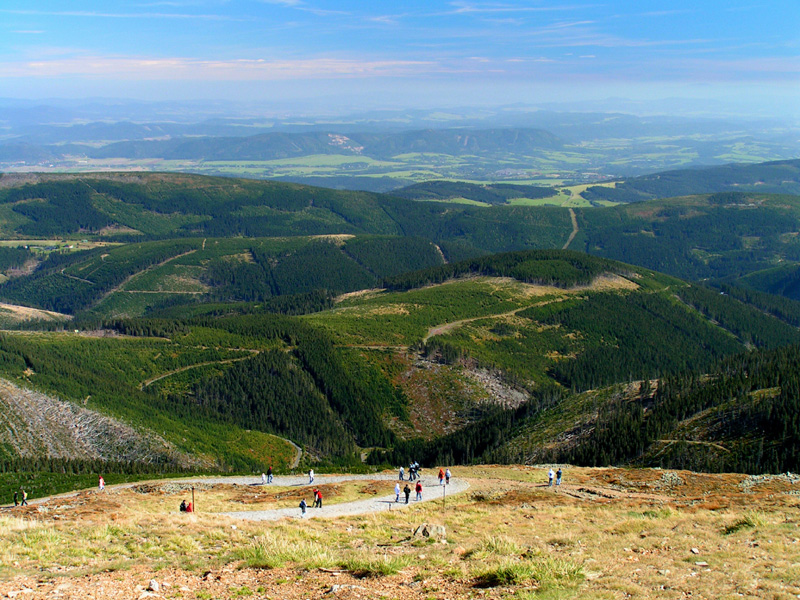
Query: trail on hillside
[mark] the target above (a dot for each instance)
(446, 327)
(575, 229)
(226, 361)
(604, 281)
(117, 288)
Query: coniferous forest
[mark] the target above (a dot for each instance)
(229, 318)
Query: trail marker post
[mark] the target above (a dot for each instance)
(194, 506)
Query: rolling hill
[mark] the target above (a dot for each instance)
(207, 305)
(442, 354)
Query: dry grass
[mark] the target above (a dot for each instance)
(605, 533)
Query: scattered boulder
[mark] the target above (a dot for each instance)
(153, 586)
(437, 532)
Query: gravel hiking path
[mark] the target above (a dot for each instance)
(431, 490)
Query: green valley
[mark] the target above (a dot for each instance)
(226, 318)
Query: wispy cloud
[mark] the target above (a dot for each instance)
(665, 13)
(112, 15)
(215, 70)
(493, 8)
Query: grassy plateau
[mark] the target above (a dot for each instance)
(604, 533)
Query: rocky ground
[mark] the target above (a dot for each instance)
(605, 533)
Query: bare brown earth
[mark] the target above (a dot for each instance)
(629, 533)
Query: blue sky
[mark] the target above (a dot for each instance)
(371, 53)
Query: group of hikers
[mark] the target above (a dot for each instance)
(551, 474)
(316, 504)
(21, 494)
(414, 472)
(407, 491)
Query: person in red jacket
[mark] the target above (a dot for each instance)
(441, 476)
(418, 488)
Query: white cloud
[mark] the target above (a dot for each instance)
(129, 68)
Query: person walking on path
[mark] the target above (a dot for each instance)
(419, 490)
(310, 476)
(558, 476)
(269, 475)
(24, 497)
(441, 477)
(263, 478)
(397, 492)
(16, 498)
(303, 507)
(407, 492)
(101, 483)
(550, 475)
(447, 476)
(317, 499)
(402, 473)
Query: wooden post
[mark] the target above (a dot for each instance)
(194, 506)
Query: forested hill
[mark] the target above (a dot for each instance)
(271, 146)
(560, 268)
(740, 415)
(727, 235)
(444, 353)
(497, 193)
(778, 177)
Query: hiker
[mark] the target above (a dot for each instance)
(310, 476)
(558, 476)
(16, 499)
(101, 484)
(411, 471)
(402, 473)
(550, 475)
(263, 478)
(314, 493)
(269, 475)
(447, 476)
(318, 500)
(418, 488)
(24, 497)
(302, 507)
(407, 492)
(183, 506)
(397, 492)
(441, 476)
(189, 507)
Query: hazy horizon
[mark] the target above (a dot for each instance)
(342, 57)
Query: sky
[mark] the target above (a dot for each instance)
(360, 54)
